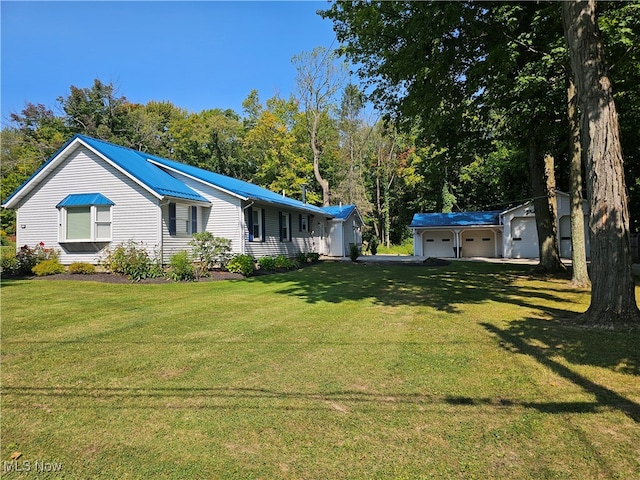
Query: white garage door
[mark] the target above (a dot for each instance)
(438, 244)
(524, 238)
(478, 243)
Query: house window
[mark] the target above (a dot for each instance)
(255, 220)
(183, 219)
(194, 220)
(285, 227)
(304, 223)
(84, 217)
(86, 223)
(103, 222)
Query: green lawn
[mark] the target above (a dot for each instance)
(338, 370)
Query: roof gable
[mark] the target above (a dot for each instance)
(457, 219)
(130, 162)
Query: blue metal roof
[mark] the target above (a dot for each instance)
(154, 173)
(245, 190)
(458, 219)
(135, 163)
(341, 212)
(84, 199)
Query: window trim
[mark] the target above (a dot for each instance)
(285, 227)
(93, 224)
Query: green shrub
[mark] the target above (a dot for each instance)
(313, 257)
(285, 263)
(243, 264)
(82, 268)
(268, 264)
(133, 260)
(354, 252)
(9, 261)
(48, 267)
(307, 257)
(210, 251)
(180, 267)
(373, 245)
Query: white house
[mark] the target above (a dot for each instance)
(509, 234)
(93, 195)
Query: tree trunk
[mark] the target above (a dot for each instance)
(543, 184)
(580, 275)
(613, 303)
(316, 149)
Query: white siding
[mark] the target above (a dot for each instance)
(272, 246)
(227, 219)
(343, 233)
(222, 219)
(134, 215)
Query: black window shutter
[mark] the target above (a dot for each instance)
(289, 230)
(250, 223)
(172, 218)
(194, 219)
(280, 224)
(264, 225)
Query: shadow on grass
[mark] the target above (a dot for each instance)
(237, 399)
(443, 288)
(542, 341)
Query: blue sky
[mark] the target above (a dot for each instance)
(198, 55)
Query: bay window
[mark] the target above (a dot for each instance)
(85, 218)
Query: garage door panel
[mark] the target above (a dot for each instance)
(438, 244)
(478, 243)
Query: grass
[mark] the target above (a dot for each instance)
(338, 370)
(404, 249)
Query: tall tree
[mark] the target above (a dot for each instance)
(97, 111)
(211, 139)
(580, 274)
(613, 303)
(319, 78)
(355, 133)
(271, 144)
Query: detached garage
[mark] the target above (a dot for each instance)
(510, 234)
(455, 235)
